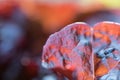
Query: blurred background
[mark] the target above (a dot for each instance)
(25, 26)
